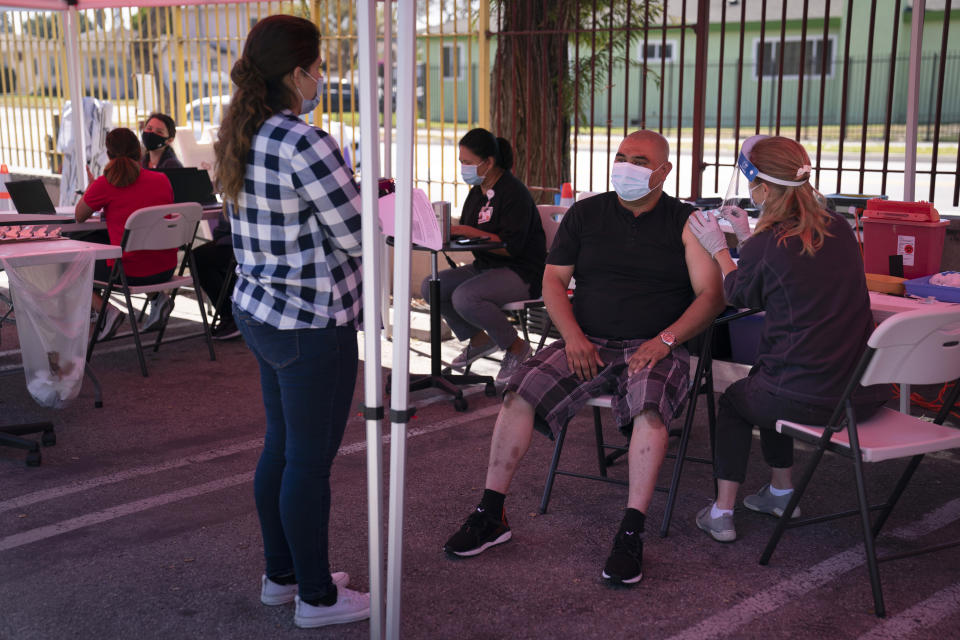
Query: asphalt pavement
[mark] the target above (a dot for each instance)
(140, 523)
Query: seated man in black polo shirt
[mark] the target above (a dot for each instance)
(644, 286)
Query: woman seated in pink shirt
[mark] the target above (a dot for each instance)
(123, 188)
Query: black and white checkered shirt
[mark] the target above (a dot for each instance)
(296, 229)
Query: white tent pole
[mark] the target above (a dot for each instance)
(72, 27)
(387, 146)
(372, 384)
(913, 100)
(387, 87)
(399, 414)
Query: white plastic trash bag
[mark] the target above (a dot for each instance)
(52, 306)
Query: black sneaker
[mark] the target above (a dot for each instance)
(625, 564)
(225, 330)
(478, 533)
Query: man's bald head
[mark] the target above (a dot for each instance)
(648, 144)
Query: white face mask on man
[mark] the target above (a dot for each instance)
(630, 181)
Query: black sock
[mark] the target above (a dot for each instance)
(328, 600)
(492, 503)
(632, 521)
(287, 578)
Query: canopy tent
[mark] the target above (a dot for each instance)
(388, 594)
(372, 256)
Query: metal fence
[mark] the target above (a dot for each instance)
(706, 73)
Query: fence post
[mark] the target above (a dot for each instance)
(180, 106)
(483, 67)
(701, 29)
(913, 100)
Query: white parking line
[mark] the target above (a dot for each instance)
(220, 452)
(922, 615)
(727, 621)
(111, 513)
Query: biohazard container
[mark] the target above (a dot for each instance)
(911, 232)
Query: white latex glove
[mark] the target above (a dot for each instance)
(738, 219)
(705, 227)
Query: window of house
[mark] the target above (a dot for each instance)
(655, 51)
(454, 59)
(771, 53)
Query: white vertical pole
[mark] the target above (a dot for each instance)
(406, 23)
(913, 100)
(72, 27)
(372, 384)
(387, 146)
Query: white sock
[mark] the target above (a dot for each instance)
(780, 492)
(716, 513)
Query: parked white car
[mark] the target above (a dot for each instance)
(205, 114)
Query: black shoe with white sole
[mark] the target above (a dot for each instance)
(625, 564)
(478, 533)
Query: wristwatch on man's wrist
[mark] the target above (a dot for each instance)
(668, 338)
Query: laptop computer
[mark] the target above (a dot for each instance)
(191, 184)
(30, 196)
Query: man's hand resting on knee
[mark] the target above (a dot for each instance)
(583, 357)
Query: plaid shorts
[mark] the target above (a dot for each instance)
(557, 394)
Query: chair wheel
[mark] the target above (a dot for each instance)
(98, 404)
(33, 458)
(490, 390)
(48, 439)
(460, 404)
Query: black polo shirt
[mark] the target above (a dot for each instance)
(631, 271)
(514, 217)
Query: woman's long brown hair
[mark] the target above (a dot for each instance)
(123, 149)
(790, 210)
(275, 46)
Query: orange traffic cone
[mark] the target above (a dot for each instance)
(5, 203)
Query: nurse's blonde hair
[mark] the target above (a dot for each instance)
(790, 210)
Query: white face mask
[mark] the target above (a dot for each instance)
(309, 105)
(631, 182)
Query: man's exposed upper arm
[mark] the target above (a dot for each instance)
(705, 277)
(554, 272)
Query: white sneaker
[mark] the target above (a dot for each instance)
(511, 364)
(272, 594)
(114, 318)
(351, 606)
(160, 308)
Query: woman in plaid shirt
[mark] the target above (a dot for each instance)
(295, 213)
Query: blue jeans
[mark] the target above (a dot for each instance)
(307, 377)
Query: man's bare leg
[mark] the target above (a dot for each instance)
(487, 525)
(648, 446)
(511, 439)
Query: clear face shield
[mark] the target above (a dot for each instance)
(738, 191)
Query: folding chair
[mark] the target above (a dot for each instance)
(170, 226)
(701, 382)
(916, 347)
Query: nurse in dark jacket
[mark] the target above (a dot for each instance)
(500, 208)
(803, 267)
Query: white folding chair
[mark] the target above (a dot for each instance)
(171, 226)
(916, 347)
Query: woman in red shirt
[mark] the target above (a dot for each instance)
(122, 189)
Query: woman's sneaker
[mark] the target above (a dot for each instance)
(351, 606)
(272, 593)
(511, 364)
(720, 529)
(478, 533)
(111, 323)
(765, 502)
(471, 354)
